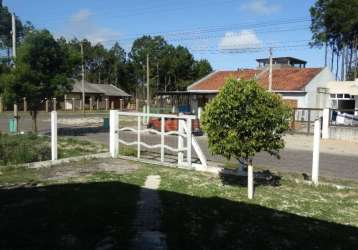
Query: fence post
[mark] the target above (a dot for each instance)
(180, 143)
(54, 104)
(250, 181)
(90, 103)
(162, 132)
(106, 100)
(46, 105)
(188, 139)
(1, 105)
(315, 159)
(25, 104)
(113, 133)
(16, 116)
(309, 122)
(97, 104)
(325, 124)
(53, 135)
(121, 104)
(73, 104)
(112, 104)
(137, 104)
(139, 120)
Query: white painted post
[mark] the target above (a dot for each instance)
(97, 104)
(73, 104)
(54, 135)
(180, 143)
(138, 136)
(200, 111)
(162, 133)
(325, 125)
(315, 159)
(54, 104)
(145, 112)
(106, 100)
(188, 144)
(250, 181)
(113, 133)
(90, 104)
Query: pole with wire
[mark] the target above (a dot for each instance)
(13, 33)
(270, 72)
(148, 89)
(83, 79)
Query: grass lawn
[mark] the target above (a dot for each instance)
(18, 149)
(199, 211)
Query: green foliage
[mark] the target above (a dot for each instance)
(17, 149)
(202, 68)
(244, 119)
(335, 25)
(42, 71)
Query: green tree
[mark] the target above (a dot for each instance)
(42, 72)
(202, 68)
(335, 25)
(244, 119)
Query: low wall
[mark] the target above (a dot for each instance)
(343, 133)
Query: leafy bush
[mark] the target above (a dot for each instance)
(17, 149)
(244, 119)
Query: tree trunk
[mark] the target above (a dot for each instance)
(34, 121)
(332, 60)
(337, 65)
(325, 55)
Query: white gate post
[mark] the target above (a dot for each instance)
(325, 124)
(53, 135)
(162, 142)
(189, 141)
(180, 143)
(315, 159)
(250, 181)
(113, 133)
(138, 136)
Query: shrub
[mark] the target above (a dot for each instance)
(244, 119)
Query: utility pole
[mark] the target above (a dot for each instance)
(270, 72)
(148, 89)
(83, 79)
(13, 32)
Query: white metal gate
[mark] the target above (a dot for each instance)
(186, 142)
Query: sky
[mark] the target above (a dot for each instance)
(231, 34)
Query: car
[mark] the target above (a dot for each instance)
(171, 124)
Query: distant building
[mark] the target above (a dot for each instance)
(299, 86)
(97, 92)
(344, 95)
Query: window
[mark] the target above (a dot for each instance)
(347, 96)
(333, 95)
(339, 95)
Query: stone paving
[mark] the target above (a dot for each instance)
(147, 223)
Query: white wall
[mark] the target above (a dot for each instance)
(319, 81)
(299, 97)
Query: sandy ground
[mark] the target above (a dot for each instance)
(305, 143)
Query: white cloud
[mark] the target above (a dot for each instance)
(82, 26)
(240, 41)
(261, 7)
(81, 15)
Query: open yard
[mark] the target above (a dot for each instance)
(92, 205)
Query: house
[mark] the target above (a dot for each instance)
(344, 96)
(299, 86)
(95, 93)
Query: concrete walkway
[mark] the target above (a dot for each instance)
(147, 223)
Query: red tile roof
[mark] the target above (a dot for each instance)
(285, 79)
